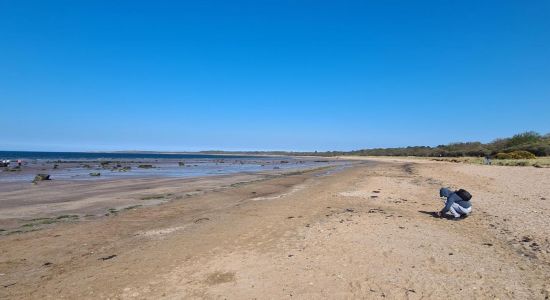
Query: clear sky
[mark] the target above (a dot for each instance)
(270, 75)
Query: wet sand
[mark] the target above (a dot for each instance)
(127, 168)
(364, 232)
(26, 206)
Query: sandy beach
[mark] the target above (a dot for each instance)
(363, 232)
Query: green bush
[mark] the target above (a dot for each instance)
(529, 137)
(530, 141)
(503, 156)
(520, 154)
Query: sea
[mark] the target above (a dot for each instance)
(30, 155)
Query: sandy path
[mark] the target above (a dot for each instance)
(365, 232)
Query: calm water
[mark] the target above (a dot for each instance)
(79, 165)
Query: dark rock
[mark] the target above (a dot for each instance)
(526, 239)
(95, 174)
(41, 177)
(125, 169)
(108, 257)
(201, 220)
(181, 163)
(145, 166)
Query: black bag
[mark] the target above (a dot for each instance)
(464, 194)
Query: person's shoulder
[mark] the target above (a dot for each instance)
(455, 197)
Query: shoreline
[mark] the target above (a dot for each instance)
(59, 201)
(363, 232)
(82, 168)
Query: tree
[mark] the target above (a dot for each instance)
(529, 137)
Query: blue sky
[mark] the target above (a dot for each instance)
(270, 75)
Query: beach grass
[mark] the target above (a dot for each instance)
(536, 162)
(46, 221)
(132, 207)
(156, 197)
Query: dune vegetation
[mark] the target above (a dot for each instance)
(520, 146)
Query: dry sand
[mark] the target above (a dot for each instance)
(365, 232)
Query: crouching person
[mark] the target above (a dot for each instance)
(457, 203)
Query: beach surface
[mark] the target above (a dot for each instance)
(366, 231)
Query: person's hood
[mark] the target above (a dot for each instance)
(445, 192)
